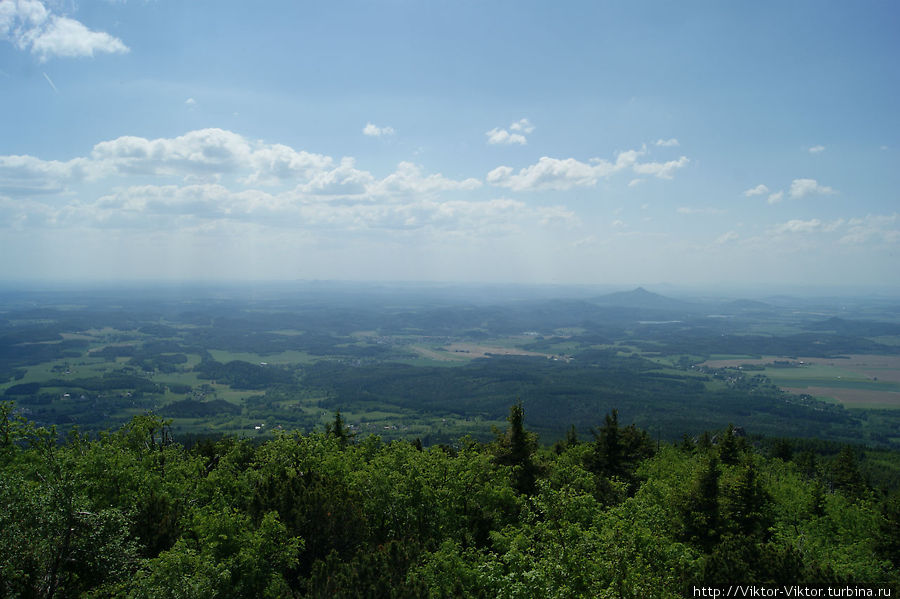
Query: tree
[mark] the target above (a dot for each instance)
(570, 441)
(338, 430)
(745, 504)
(700, 509)
(516, 448)
(845, 474)
(728, 449)
(618, 452)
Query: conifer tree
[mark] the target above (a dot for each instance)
(338, 429)
(845, 474)
(516, 448)
(700, 511)
(728, 450)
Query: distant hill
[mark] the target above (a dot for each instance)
(641, 298)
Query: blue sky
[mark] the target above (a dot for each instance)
(699, 144)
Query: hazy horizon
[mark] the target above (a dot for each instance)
(692, 146)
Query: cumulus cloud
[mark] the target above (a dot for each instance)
(562, 174)
(274, 163)
(548, 173)
(776, 197)
(799, 226)
(805, 187)
(208, 154)
(198, 207)
(816, 149)
(30, 26)
(756, 191)
(217, 155)
(523, 125)
(663, 170)
(408, 179)
(344, 180)
(206, 151)
(27, 175)
(211, 178)
(667, 142)
(502, 136)
(376, 131)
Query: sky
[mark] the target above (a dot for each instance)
(693, 143)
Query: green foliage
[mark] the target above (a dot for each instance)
(132, 514)
(618, 452)
(516, 449)
(223, 556)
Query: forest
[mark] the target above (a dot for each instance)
(131, 513)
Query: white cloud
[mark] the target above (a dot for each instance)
(497, 136)
(408, 179)
(816, 149)
(562, 174)
(208, 206)
(663, 170)
(376, 131)
(220, 156)
(275, 163)
(805, 187)
(548, 173)
(635, 182)
(191, 102)
(208, 153)
(29, 25)
(757, 191)
(523, 125)
(344, 180)
(201, 152)
(871, 229)
(502, 136)
(799, 226)
(27, 175)
(776, 197)
(667, 142)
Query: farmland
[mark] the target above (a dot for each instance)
(859, 381)
(407, 366)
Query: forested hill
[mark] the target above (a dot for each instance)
(133, 514)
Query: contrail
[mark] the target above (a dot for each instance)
(50, 81)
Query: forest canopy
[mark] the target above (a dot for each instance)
(133, 513)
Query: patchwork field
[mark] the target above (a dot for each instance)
(858, 380)
(463, 352)
(853, 398)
